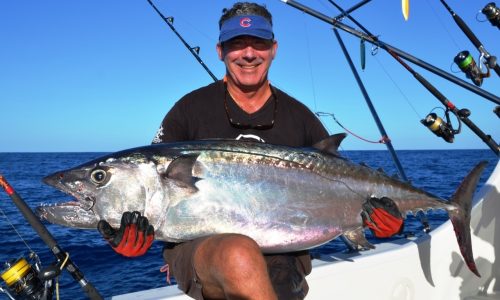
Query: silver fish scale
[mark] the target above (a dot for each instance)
(251, 152)
(323, 164)
(350, 175)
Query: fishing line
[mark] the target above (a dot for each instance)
(195, 28)
(382, 140)
(397, 87)
(442, 25)
(57, 278)
(308, 51)
(17, 232)
(385, 137)
(193, 50)
(326, 7)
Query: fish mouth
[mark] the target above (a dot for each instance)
(74, 213)
(57, 179)
(70, 214)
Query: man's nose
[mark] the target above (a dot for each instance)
(249, 52)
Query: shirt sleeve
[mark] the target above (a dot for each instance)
(173, 128)
(314, 129)
(317, 132)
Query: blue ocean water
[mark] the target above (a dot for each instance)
(436, 171)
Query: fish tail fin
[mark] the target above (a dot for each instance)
(460, 217)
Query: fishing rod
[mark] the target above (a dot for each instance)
(377, 42)
(491, 60)
(346, 13)
(48, 239)
(434, 123)
(462, 114)
(194, 50)
(350, 10)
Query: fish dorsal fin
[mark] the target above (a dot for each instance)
(330, 144)
(181, 170)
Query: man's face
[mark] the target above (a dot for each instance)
(247, 60)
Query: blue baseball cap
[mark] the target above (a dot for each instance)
(252, 25)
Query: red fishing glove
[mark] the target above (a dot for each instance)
(382, 216)
(133, 238)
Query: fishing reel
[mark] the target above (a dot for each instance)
(441, 128)
(468, 65)
(492, 13)
(26, 280)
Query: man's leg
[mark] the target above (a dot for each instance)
(231, 266)
(288, 272)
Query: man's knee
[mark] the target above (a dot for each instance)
(234, 252)
(232, 265)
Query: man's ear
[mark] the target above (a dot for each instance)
(275, 49)
(220, 51)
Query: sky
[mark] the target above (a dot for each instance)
(100, 75)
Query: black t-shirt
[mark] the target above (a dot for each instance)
(210, 112)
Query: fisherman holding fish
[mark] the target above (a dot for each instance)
(243, 105)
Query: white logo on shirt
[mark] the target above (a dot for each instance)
(159, 134)
(250, 137)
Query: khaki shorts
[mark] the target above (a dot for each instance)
(287, 271)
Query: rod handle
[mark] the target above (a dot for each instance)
(467, 31)
(91, 291)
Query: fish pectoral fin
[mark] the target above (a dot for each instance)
(331, 144)
(181, 170)
(355, 240)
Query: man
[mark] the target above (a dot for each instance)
(244, 105)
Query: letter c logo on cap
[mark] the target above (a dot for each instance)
(245, 22)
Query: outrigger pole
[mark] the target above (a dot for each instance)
(49, 240)
(492, 60)
(350, 10)
(369, 102)
(387, 141)
(194, 50)
(461, 114)
(385, 137)
(375, 41)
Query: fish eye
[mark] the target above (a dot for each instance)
(98, 176)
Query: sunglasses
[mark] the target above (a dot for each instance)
(251, 126)
(240, 43)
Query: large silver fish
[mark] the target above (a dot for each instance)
(286, 199)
